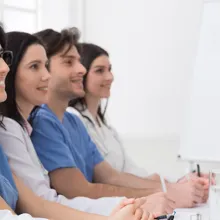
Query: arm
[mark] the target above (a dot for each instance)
(6, 213)
(57, 158)
(71, 183)
(30, 203)
(104, 173)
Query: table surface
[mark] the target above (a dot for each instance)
(190, 214)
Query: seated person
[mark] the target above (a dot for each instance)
(76, 168)
(97, 85)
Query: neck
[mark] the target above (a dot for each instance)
(92, 104)
(24, 108)
(57, 105)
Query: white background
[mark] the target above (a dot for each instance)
(153, 46)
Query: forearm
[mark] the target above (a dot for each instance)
(131, 181)
(56, 211)
(96, 190)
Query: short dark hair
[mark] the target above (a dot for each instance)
(54, 42)
(88, 52)
(18, 43)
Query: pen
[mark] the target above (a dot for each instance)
(162, 217)
(169, 217)
(198, 170)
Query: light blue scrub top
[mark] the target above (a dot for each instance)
(8, 189)
(66, 144)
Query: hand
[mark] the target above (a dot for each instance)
(193, 176)
(188, 194)
(131, 212)
(203, 178)
(138, 203)
(159, 204)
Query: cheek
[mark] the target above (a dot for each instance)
(26, 87)
(93, 86)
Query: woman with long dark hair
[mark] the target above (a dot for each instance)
(10, 199)
(92, 108)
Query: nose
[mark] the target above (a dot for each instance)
(109, 76)
(45, 75)
(82, 69)
(4, 69)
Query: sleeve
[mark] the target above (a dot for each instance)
(96, 155)
(50, 144)
(20, 161)
(7, 215)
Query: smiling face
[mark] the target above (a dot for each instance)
(32, 76)
(67, 74)
(99, 78)
(4, 69)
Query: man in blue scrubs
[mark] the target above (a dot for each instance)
(63, 145)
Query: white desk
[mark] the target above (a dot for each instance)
(185, 214)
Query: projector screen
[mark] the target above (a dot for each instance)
(200, 139)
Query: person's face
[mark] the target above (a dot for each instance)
(4, 69)
(99, 78)
(67, 74)
(32, 77)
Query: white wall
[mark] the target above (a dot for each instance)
(59, 14)
(152, 44)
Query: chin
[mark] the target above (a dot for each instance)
(105, 96)
(79, 94)
(3, 97)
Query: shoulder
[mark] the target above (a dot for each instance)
(43, 118)
(11, 126)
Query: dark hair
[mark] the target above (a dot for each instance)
(88, 53)
(54, 42)
(3, 44)
(2, 37)
(18, 43)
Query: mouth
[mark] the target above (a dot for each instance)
(45, 88)
(2, 83)
(77, 81)
(107, 86)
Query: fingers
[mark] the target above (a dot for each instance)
(138, 214)
(151, 217)
(122, 204)
(139, 202)
(147, 216)
(172, 204)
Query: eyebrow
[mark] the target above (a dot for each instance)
(71, 56)
(100, 66)
(35, 61)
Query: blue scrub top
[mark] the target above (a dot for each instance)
(8, 189)
(66, 144)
